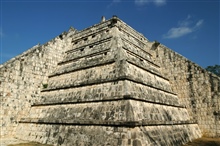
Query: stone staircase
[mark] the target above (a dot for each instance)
(108, 91)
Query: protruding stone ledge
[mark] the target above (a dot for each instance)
(149, 85)
(144, 68)
(87, 65)
(130, 31)
(95, 28)
(99, 42)
(105, 123)
(136, 46)
(96, 52)
(108, 91)
(92, 34)
(140, 57)
(101, 81)
(120, 98)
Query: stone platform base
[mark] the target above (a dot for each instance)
(68, 135)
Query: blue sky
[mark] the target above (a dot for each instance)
(189, 27)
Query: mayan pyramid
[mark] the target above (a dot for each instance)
(108, 91)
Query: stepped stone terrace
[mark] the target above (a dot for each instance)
(107, 85)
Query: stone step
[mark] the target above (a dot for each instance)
(65, 135)
(119, 111)
(104, 123)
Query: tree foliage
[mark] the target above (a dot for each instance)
(214, 69)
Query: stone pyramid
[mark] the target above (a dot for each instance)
(108, 91)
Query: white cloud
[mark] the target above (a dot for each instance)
(184, 27)
(199, 23)
(113, 3)
(160, 2)
(141, 2)
(186, 22)
(178, 32)
(144, 2)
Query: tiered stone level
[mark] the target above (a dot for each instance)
(107, 90)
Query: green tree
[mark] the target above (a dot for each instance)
(214, 69)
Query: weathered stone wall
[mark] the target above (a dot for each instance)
(22, 79)
(68, 135)
(108, 91)
(196, 88)
(95, 73)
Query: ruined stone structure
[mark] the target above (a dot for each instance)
(107, 85)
